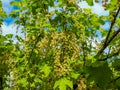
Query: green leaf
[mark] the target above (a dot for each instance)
(90, 2)
(63, 83)
(15, 3)
(46, 70)
(0, 4)
(36, 51)
(2, 14)
(16, 11)
(118, 21)
(19, 38)
(23, 82)
(101, 75)
(118, 82)
(116, 65)
(9, 35)
(32, 74)
(32, 85)
(74, 75)
(37, 80)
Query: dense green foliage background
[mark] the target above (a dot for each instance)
(60, 49)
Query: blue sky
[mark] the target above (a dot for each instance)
(9, 26)
(8, 9)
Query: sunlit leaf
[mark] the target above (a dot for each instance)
(90, 2)
(63, 83)
(46, 69)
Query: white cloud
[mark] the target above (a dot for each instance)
(6, 6)
(11, 29)
(83, 4)
(6, 29)
(96, 8)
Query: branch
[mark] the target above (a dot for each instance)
(112, 24)
(84, 53)
(34, 46)
(113, 36)
(1, 83)
(107, 43)
(115, 79)
(114, 54)
(84, 59)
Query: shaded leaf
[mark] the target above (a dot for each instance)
(101, 75)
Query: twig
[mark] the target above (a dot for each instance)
(114, 54)
(106, 40)
(34, 46)
(113, 36)
(115, 79)
(84, 54)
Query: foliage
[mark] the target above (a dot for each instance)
(63, 83)
(61, 49)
